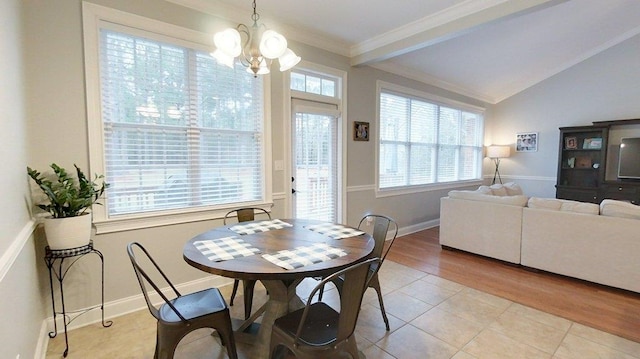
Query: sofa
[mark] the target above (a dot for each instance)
(596, 243)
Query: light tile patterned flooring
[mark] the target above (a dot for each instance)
(430, 318)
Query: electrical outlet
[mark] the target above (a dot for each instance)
(18, 356)
(369, 220)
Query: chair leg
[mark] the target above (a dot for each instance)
(234, 291)
(225, 331)
(248, 286)
(375, 284)
(320, 293)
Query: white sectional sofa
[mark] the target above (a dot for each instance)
(600, 244)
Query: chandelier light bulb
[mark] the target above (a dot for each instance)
(223, 58)
(229, 42)
(272, 44)
(288, 60)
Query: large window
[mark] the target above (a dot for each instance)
(177, 131)
(422, 141)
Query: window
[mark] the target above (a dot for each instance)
(314, 83)
(424, 142)
(178, 132)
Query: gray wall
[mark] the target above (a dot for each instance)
(20, 281)
(601, 88)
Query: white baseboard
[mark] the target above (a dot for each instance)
(418, 227)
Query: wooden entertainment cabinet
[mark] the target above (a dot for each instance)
(588, 161)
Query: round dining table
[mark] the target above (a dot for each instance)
(279, 282)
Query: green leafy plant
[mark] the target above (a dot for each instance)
(67, 196)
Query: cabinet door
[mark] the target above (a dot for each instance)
(581, 163)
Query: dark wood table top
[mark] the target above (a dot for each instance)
(257, 268)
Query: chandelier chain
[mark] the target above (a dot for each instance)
(255, 17)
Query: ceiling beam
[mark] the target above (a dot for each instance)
(456, 21)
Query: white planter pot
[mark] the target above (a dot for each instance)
(70, 232)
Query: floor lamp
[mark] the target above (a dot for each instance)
(496, 153)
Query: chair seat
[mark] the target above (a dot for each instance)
(193, 305)
(321, 326)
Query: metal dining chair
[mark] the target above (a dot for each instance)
(179, 316)
(319, 331)
(245, 215)
(381, 225)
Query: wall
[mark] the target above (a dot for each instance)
(20, 280)
(601, 88)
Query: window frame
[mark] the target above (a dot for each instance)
(381, 87)
(94, 18)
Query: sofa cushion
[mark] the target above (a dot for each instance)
(520, 201)
(563, 205)
(513, 189)
(544, 203)
(613, 208)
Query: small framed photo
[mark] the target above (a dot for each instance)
(592, 143)
(527, 142)
(360, 131)
(570, 143)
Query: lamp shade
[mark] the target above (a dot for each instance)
(498, 151)
(288, 60)
(272, 44)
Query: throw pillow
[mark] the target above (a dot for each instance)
(613, 208)
(512, 189)
(498, 190)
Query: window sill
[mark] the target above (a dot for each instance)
(130, 223)
(381, 193)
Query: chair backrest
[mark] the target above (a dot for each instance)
(356, 280)
(245, 214)
(381, 226)
(144, 278)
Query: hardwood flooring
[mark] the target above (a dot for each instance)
(612, 310)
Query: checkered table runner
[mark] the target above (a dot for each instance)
(334, 231)
(304, 256)
(223, 249)
(262, 226)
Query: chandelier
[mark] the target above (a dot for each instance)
(255, 46)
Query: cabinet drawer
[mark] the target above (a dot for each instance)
(582, 195)
(622, 193)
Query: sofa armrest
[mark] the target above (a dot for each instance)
(486, 228)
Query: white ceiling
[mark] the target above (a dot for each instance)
(486, 49)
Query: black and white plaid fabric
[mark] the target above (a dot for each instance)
(334, 231)
(223, 249)
(262, 226)
(304, 256)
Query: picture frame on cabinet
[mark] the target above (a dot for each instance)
(570, 143)
(527, 142)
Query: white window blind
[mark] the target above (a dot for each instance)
(180, 131)
(424, 142)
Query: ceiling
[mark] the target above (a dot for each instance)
(485, 49)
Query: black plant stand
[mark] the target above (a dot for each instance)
(59, 255)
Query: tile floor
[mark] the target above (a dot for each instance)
(430, 318)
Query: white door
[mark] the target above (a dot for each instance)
(315, 161)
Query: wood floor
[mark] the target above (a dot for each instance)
(608, 309)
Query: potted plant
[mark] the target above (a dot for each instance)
(69, 202)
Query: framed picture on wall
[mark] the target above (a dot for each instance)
(527, 142)
(360, 131)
